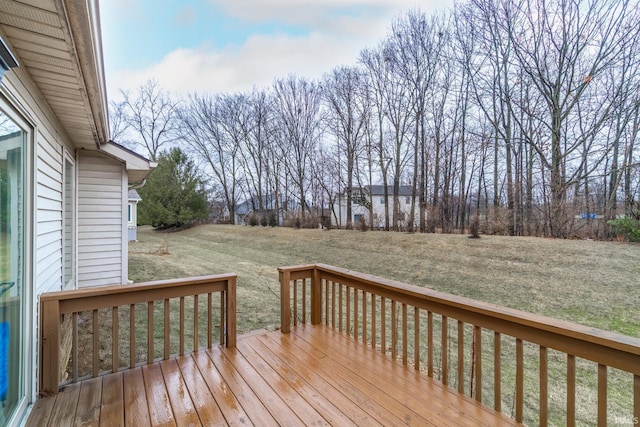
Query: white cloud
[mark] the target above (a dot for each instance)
(260, 60)
(337, 40)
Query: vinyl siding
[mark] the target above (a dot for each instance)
(48, 249)
(101, 198)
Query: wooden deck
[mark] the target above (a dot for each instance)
(311, 376)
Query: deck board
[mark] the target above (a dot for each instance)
(89, 402)
(209, 415)
(112, 411)
(184, 410)
(136, 411)
(311, 376)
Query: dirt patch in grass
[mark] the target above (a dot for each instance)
(589, 282)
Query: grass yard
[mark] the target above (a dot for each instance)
(588, 282)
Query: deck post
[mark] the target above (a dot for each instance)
(316, 297)
(50, 350)
(231, 312)
(285, 304)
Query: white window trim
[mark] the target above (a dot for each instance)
(72, 283)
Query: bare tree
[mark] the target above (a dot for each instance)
(565, 49)
(298, 124)
(209, 127)
(377, 71)
(119, 123)
(152, 116)
(347, 118)
(416, 45)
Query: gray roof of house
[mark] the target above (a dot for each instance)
(134, 196)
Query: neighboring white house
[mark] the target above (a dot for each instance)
(63, 185)
(132, 214)
(374, 196)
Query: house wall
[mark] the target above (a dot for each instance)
(102, 238)
(377, 201)
(43, 220)
(49, 202)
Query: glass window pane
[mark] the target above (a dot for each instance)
(12, 265)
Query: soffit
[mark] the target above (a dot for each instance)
(56, 45)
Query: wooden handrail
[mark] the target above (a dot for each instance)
(373, 296)
(57, 307)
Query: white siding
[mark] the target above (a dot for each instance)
(101, 223)
(48, 250)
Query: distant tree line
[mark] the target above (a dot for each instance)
(518, 116)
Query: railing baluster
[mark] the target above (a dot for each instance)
(544, 390)
(150, 332)
(303, 302)
(497, 371)
(209, 319)
(571, 390)
(167, 329)
(115, 348)
(326, 302)
(364, 318)
(355, 314)
(383, 325)
(295, 302)
(430, 344)
(347, 291)
(132, 336)
(223, 320)
(181, 350)
(444, 357)
(333, 304)
(74, 345)
(316, 298)
(602, 394)
(394, 331)
(340, 310)
(196, 318)
(405, 356)
(416, 338)
(478, 361)
(636, 398)
(519, 379)
(96, 339)
(461, 357)
(374, 335)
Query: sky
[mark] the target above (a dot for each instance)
(235, 45)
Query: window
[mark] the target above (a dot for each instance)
(68, 219)
(129, 213)
(13, 264)
(382, 200)
(407, 200)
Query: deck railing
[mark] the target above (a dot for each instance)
(535, 369)
(95, 316)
